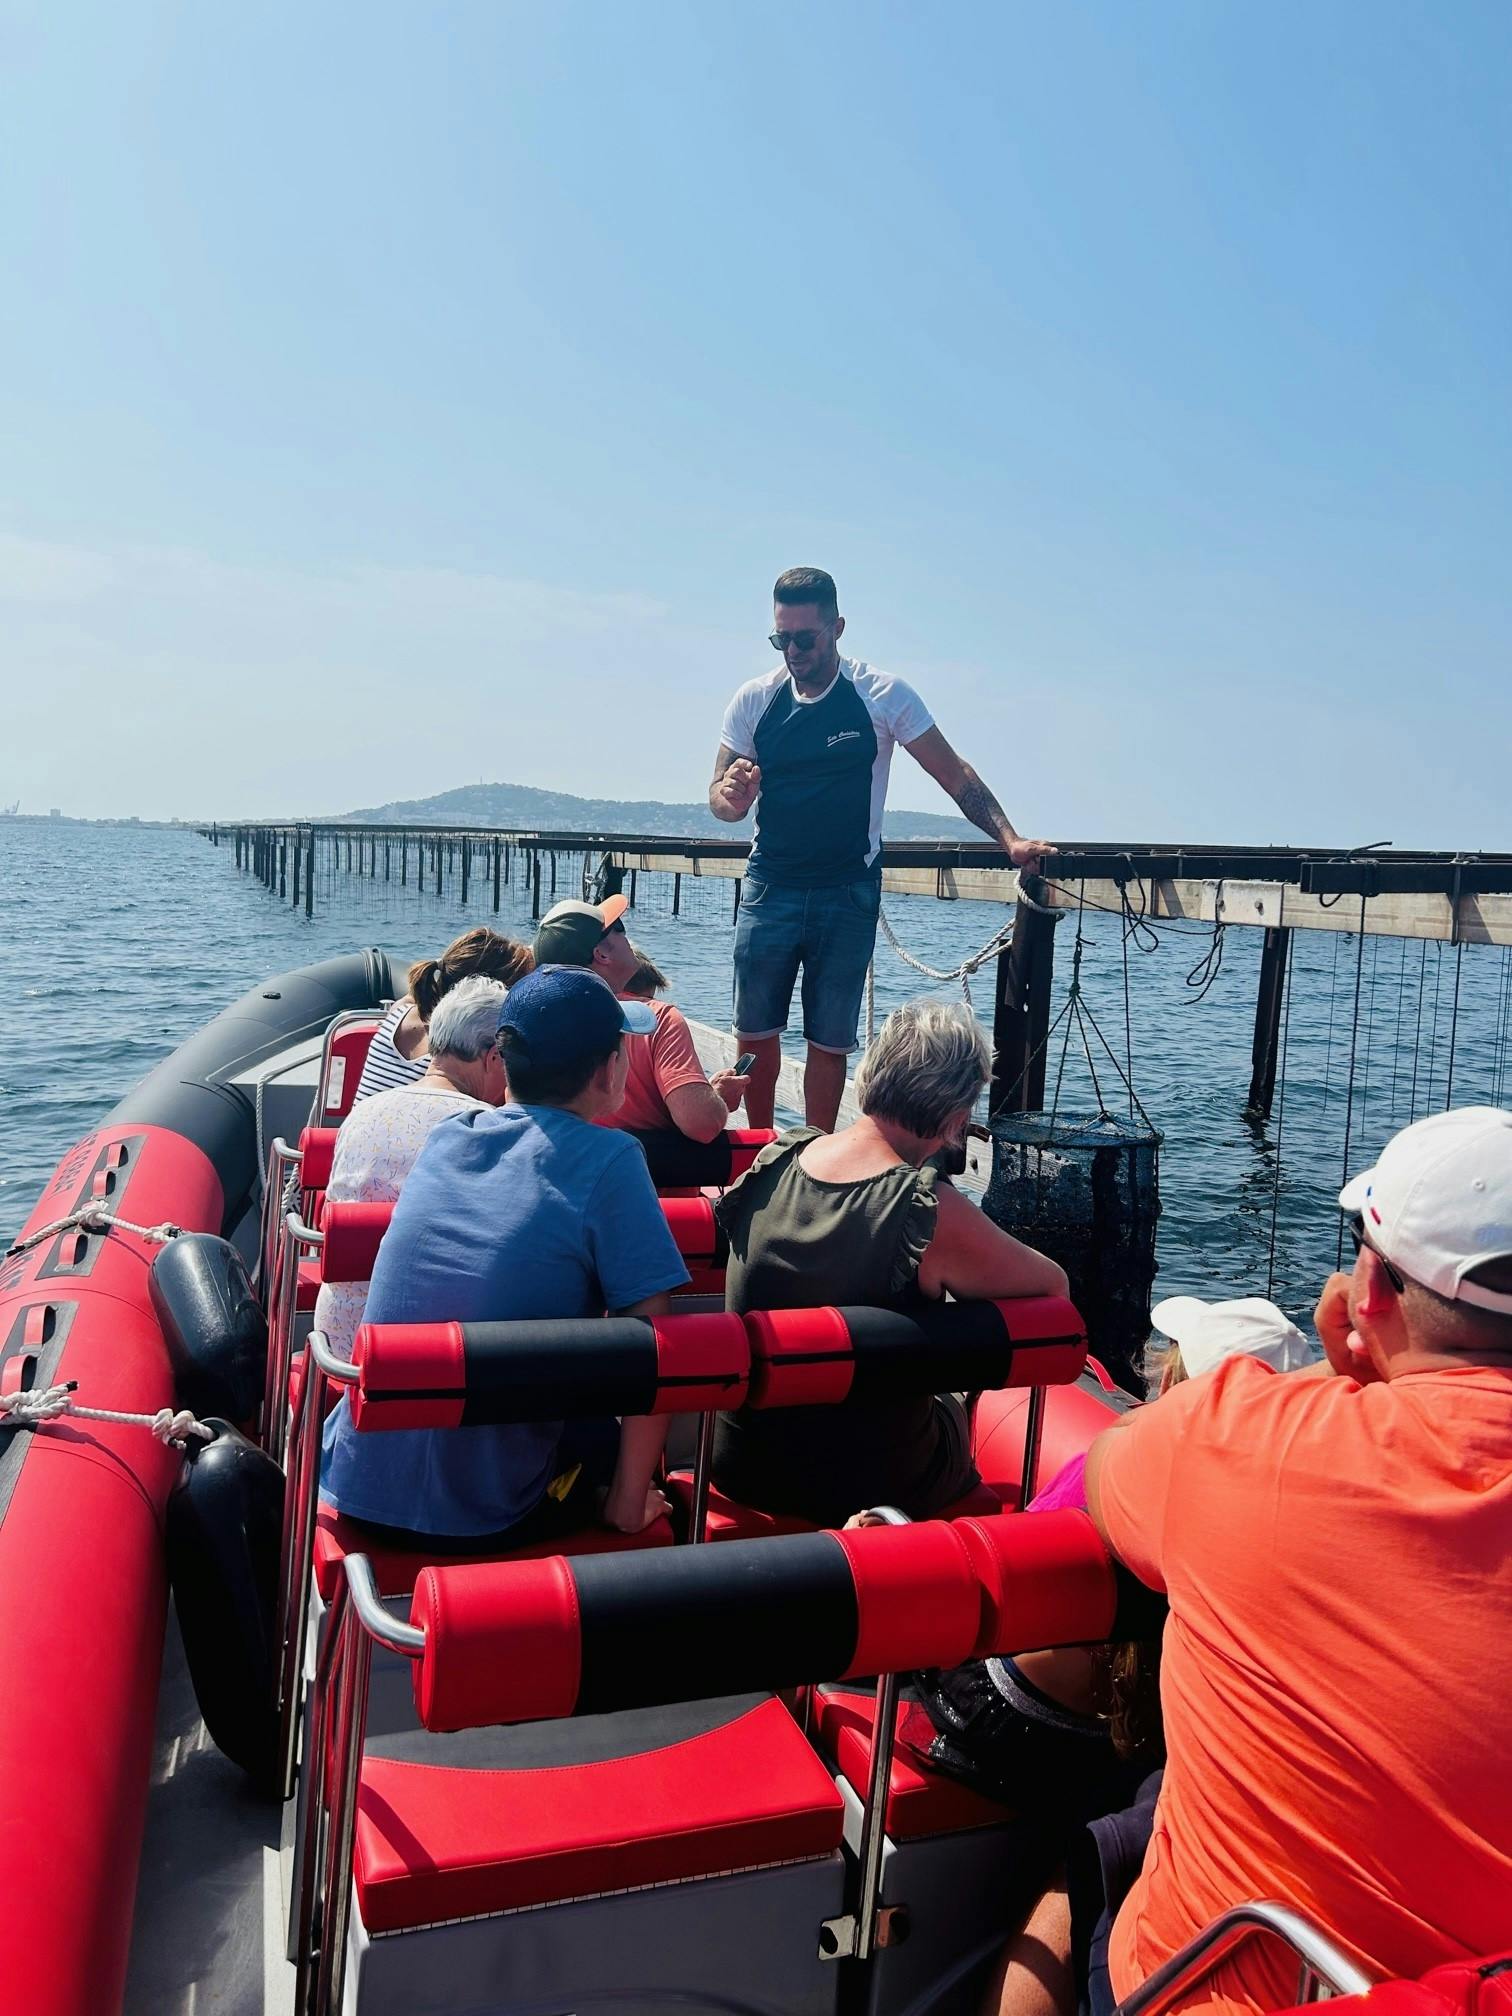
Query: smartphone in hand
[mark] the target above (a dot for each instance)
(743, 1064)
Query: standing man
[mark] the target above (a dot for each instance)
(809, 744)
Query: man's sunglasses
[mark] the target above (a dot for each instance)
(1357, 1234)
(796, 640)
(610, 929)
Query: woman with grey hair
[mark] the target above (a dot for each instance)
(380, 1138)
(860, 1217)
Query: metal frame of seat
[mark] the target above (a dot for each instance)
(1324, 1970)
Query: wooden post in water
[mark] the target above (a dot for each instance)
(310, 877)
(386, 875)
(553, 874)
(1021, 1011)
(508, 858)
(677, 895)
(498, 848)
(466, 853)
(633, 874)
(735, 907)
(403, 859)
(298, 864)
(1274, 953)
(535, 886)
(283, 867)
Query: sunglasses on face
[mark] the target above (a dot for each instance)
(795, 640)
(618, 925)
(1357, 1234)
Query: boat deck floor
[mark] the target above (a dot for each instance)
(208, 1933)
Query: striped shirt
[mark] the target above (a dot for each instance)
(386, 1067)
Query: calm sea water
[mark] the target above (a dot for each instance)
(117, 943)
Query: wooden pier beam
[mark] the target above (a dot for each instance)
(1021, 1007)
(310, 877)
(466, 863)
(535, 886)
(1274, 953)
(498, 850)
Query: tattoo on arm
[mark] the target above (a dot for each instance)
(982, 809)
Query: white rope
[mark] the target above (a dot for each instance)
(48, 1403)
(996, 944)
(93, 1218)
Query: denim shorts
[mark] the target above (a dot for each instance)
(829, 933)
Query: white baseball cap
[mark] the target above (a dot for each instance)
(1439, 1202)
(1251, 1327)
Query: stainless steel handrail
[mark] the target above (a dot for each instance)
(1322, 1962)
(281, 1316)
(1034, 1428)
(879, 1783)
(297, 1551)
(280, 1157)
(363, 1623)
(703, 1470)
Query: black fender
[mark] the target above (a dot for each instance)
(213, 1327)
(224, 1520)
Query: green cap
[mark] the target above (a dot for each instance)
(568, 933)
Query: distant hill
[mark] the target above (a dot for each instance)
(525, 807)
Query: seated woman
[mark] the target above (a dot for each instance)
(380, 1138)
(399, 1051)
(859, 1218)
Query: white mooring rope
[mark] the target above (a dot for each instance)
(49, 1403)
(996, 944)
(93, 1218)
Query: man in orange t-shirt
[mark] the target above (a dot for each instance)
(1335, 1550)
(1336, 1555)
(667, 1088)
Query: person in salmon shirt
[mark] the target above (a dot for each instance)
(667, 1089)
(1333, 1544)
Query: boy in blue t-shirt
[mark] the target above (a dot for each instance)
(523, 1210)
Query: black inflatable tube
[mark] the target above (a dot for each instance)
(188, 1091)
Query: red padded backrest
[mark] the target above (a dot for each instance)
(517, 1641)
(317, 1145)
(822, 1356)
(353, 1234)
(501, 1643)
(746, 1143)
(454, 1375)
(347, 1051)
(690, 1220)
(1045, 1578)
(917, 1599)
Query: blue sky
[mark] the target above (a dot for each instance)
(392, 396)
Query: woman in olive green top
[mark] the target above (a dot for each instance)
(857, 1218)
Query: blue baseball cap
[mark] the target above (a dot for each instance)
(564, 1014)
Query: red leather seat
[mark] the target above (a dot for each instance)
(397, 1567)
(729, 1520)
(920, 1802)
(307, 1285)
(442, 1841)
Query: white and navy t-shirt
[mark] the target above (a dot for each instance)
(824, 765)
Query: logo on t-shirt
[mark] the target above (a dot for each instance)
(845, 735)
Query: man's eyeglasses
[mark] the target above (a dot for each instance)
(1357, 1234)
(609, 930)
(795, 640)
